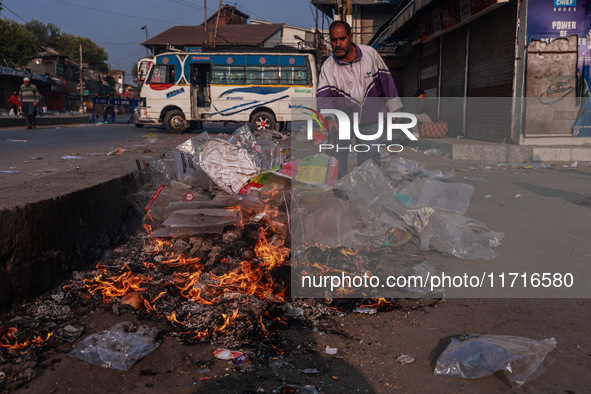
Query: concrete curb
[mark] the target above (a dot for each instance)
(462, 149)
(43, 242)
(44, 120)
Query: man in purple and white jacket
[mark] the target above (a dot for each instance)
(352, 74)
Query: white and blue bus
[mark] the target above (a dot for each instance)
(184, 89)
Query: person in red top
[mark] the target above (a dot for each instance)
(14, 102)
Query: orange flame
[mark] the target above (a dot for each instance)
(159, 296)
(381, 302)
(196, 334)
(265, 331)
(8, 339)
(172, 318)
(149, 307)
(227, 321)
(347, 252)
(277, 350)
(115, 286)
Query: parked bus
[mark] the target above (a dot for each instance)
(184, 89)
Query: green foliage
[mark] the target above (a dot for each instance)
(134, 71)
(47, 35)
(17, 44)
(69, 45)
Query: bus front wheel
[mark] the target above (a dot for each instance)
(263, 120)
(175, 122)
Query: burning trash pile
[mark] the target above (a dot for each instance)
(226, 221)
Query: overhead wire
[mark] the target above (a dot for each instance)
(110, 12)
(14, 13)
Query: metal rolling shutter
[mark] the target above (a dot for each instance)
(411, 73)
(453, 80)
(490, 74)
(430, 67)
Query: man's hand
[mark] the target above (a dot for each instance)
(35, 104)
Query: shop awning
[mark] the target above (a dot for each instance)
(449, 14)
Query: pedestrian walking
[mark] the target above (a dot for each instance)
(28, 99)
(14, 102)
(40, 104)
(355, 72)
(107, 108)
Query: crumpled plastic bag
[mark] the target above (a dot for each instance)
(120, 347)
(232, 163)
(194, 145)
(519, 358)
(228, 165)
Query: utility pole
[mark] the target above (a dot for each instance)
(145, 27)
(217, 22)
(80, 88)
(205, 13)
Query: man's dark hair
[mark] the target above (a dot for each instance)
(420, 92)
(340, 23)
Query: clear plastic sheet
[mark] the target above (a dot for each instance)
(361, 211)
(120, 347)
(451, 233)
(188, 170)
(519, 358)
(453, 196)
(194, 145)
(413, 170)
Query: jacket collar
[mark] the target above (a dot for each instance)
(358, 55)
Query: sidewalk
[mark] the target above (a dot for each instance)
(47, 120)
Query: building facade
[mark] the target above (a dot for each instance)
(512, 71)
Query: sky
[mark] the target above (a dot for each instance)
(116, 24)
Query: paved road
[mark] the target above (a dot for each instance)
(32, 154)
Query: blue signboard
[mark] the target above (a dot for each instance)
(565, 3)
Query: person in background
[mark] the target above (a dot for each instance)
(28, 99)
(40, 104)
(107, 108)
(426, 108)
(14, 102)
(428, 123)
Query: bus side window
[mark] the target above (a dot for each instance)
(270, 75)
(294, 75)
(254, 75)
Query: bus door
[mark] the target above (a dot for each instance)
(200, 89)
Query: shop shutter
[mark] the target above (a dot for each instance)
(430, 67)
(453, 80)
(490, 74)
(411, 73)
